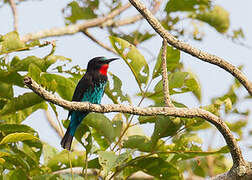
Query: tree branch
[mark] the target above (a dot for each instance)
(133, 19)
(189, 49)
(238, 161)
(167, 98)
(98, 42)
(15, 15)
(101, 21)
(53, 124)
(72, 29)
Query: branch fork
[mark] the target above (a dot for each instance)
(238, 161)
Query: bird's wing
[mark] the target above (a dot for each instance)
(83, 86)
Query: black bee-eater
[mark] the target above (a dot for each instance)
(91, 89)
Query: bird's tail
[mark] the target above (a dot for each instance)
(66, 141)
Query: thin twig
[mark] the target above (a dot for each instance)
(72, 29)
(101, 21)
(98, 42)
(15, 14)
(167, 98)
(235, 151)
(130, 121)
(204, 56)
(53, 124)
(130, 20)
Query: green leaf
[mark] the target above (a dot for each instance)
(17, 174)
(133, 58)
(136, 37)
(12, 128)
(216, 17)
(177, 79)
(48, 152)
(10, 42)
(13, 78)
(102, 125)
(24, 64)
(185, 5)
(237, 126)
(109, 160)
(142, 143)
(6, 90)
(65, 86)
(83, 131)
(2, 154)
(115, 92)
(179, 82)
(157, 167)
(228, 105)
(197, 152)
(185, 141)
(194, 85)
(21, 115)
(21, 102)
(172, 60)
(62, 159)
(34, 72)
(165, 126)
(78, 13)
(15, 137)
(102, 142)
(117, 122)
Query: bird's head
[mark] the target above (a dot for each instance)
(99, 64)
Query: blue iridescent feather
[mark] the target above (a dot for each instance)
(94, 96)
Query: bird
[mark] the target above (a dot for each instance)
(90, 89)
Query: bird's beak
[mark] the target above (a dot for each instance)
(110, 60)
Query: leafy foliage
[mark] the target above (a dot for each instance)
(115, 146)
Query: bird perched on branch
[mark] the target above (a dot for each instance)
(90, 88)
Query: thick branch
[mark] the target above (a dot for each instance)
(167, 98)
(72, 29)
(148, 111)
(14, 12)
(189, 49)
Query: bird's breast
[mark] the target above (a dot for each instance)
(95, 94)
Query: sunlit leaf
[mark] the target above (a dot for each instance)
(11, 41)
(185, 5)
(172, 60)
(102, 125)
(78, 12)
(83, 134)
(142, 143)
(62, 160)
(11, 78)
(216, 17)
(115, 92)
(6, 90)
(157, 167)
(133, 58)
(109, 160)
(48, 152)
(12, 128)
(21, 102)
(15, 137)
(165, 126)
(65, 86)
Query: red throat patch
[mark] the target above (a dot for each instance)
(104, 69)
